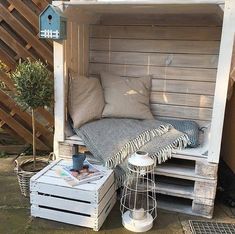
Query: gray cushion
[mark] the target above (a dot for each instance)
(126, 97)
(189, 127)
(86, 100)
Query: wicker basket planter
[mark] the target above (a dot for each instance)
(24, 175)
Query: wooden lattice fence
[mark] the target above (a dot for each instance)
(19, 40)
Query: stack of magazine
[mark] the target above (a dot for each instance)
(87, 174)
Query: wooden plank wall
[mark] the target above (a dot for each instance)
(19, 40)
(179, 51)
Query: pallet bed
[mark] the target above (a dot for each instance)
(180, 46)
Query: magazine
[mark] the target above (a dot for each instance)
(87, 174)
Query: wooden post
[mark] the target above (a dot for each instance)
(59, 94)
(59, 89)
(224, 64)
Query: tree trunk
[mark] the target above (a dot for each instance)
(34, 142)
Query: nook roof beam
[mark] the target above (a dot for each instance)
(137, 2)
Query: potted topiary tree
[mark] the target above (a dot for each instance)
(34, 88)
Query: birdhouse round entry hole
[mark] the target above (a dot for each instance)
(49, 17)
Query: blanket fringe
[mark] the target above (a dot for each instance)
(135, 144)
(166, 152)
(119, 180)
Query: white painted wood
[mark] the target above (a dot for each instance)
(225, 57)
(181, 111)
(62, 191)
(111, 191)
(181, 99)
(105, 212)
(136, 2)
(182, 18)
(166, 73)
(62, 216)
(43, 171)
(63, 204)
(155, 32)
(155, 59)
(59, 93)
(177, 190)
(85, 205)
(179, 205)
(93, 209)
(79, 141)
(162, 46)
(94, 221)
(180, 171)
(49, 177)
(221, 6)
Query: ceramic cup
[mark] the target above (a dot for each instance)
(78, 160)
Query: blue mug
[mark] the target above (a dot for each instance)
(78, 160)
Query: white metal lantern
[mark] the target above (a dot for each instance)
(138, 203)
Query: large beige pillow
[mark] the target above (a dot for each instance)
(126, 97)
(86, 100)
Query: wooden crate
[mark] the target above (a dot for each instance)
(84, 205)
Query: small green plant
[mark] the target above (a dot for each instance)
(34, 88)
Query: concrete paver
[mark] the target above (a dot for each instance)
(15, 214)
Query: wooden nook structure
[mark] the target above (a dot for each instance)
(186, 45)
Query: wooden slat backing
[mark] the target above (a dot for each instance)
(162, 20)
(167, 73)
(156, 32)
(180, 52)
(181, 112)
(155, 59)
(157, 46)
(182, 99)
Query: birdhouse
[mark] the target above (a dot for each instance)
(52, 23)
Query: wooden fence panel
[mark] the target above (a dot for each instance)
(19, 40)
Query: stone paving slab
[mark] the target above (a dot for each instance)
(13, 221)
(10, 192)
(15, 214)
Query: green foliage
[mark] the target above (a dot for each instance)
(34, 86)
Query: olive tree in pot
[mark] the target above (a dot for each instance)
(34, 88)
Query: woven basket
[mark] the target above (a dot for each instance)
(24, 176)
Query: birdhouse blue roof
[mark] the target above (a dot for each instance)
(52, 23)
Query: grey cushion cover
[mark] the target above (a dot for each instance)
(126, 97)
(86, 100)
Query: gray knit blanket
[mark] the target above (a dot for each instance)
(114, 140)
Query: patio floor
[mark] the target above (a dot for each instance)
(15, 213)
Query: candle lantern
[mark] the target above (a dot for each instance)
(138, 202)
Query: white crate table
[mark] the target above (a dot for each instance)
(85, 205)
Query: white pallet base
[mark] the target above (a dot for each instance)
(177, 205)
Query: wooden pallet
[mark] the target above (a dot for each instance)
(187, 186)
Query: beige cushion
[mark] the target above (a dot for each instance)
(126, 97)
(86, 99)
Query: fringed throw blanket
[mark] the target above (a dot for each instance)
(113, 140)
